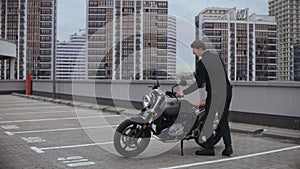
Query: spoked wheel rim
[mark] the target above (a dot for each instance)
(131, 138)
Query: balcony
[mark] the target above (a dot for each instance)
(8, 52)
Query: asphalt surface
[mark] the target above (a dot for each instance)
(42, 134)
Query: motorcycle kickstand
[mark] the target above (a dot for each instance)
(181, 147)
(181, 143)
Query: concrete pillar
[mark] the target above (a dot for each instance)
(12, 68)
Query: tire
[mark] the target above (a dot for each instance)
(131, 139)
(217, 137)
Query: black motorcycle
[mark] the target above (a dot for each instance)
(164, 117)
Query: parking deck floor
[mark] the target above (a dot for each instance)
(37, 134)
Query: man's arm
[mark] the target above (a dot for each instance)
(200, 79)
(190, 89)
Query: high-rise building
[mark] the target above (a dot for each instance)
(246, 43)
(70, 57)
(172, 45)
(13, 28)
(295, 53)
(129, 39)
(41, 37)
(287, 14)
(31, 24)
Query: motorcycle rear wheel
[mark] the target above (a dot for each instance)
(131, 139)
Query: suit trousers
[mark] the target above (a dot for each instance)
(223, 126)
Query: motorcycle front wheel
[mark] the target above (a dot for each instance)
(131, 139)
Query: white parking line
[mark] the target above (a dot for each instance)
(232, 158)
(11, 100)
(50, 112)
(8, 102)
(29, 113)
(52, 107)
(9, 133)
(42, 150)
(24, 105)
(75, 161)
(55, 119)
(69, 158)
(81, 164)
(33, 139)
(10, 127)
(54, 130)
(37, 150)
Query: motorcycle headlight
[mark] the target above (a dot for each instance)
(146, 101)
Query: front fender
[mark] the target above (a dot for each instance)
(138, 120)
(141, 122)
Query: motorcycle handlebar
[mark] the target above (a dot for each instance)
(171, 94)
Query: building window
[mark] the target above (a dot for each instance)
(46, 24)
(93, 3)
(45, 32)
(45, 66)
(45, 38)
(46, 18)
(45, 45)
(45, 4)
(45, 52)
(45, 59)
(46, 11)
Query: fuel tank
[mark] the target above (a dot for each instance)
(174, 106)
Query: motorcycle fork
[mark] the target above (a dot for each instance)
(148, 126)
(199, 128)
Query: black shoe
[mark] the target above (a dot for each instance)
(206, 152)
(227, 151)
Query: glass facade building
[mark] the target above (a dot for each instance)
(287, 14)
(70, 57)
(31, 24)
(41, 38)
(129, 40)
(13, 28)
(296, 61)
(246, 43)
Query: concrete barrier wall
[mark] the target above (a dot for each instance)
(113, 90)
(9, 86)
(270, 98)
(273, 98)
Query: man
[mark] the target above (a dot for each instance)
(210, 71)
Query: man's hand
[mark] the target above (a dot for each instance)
(202, 104)
(179, 94)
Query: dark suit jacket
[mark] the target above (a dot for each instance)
(202, 78)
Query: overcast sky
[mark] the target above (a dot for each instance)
(72, 13)
(72, 16)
